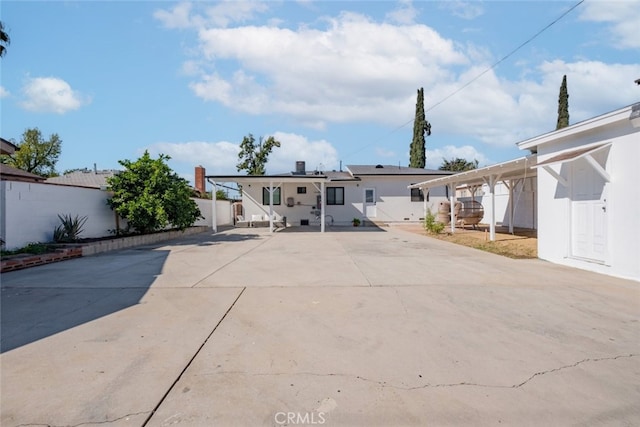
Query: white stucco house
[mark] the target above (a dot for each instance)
(375, 194)
(589, 193)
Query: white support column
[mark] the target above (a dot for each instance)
(214, 216)
(510, 184)
(492, 190)
(452, 201)
(425, 207)
(322, 203)
(271, 206)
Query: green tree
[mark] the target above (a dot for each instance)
(5, 40)
(563, 105)
(421, 128)
(253, 158)
(34, 154)
(150, 196)
(458, 165)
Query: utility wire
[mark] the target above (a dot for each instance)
(464, 86)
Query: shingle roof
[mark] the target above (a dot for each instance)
(392, 170)
(9, 173)
(7, 147)
(84, 178)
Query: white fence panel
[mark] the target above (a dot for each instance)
(29, 211)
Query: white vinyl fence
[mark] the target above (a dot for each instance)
(29, 211)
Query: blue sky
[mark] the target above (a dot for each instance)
(332, 80)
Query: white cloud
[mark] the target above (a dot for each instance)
(404, 14)
(220, 158)
(51, 95)
(354, 69)
(221, 14)
(3, 92)
(500, 112)
(464, 9)
(317, 154)
(448, 152)
(217, 157)
(178, 17)
(623, 17)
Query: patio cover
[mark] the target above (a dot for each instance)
(273, 182)
(507, 172)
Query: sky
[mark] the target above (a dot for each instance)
(334, 81)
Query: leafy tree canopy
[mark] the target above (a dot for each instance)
(34, 154)
(5, 40)
(253, 158)
(150, 196)
(458, 165)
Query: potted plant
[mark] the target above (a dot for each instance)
(356, 222)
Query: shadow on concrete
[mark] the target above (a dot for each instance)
(43, 301)
(332, 229)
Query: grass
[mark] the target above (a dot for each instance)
(518, 249)
(521, 245)
(31, 248)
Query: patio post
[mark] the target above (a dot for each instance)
(271, 206)
(510, 186)
(214, 218)
(492, 225)
(452, 204)
(322, 203)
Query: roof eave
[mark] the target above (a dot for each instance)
(577, 128)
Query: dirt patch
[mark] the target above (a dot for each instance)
(523, 243)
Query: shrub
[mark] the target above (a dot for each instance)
(150, 196)
(431, 225)
(70, 228)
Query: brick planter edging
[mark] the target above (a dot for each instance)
(28, 260)
(145, 239)
(94, 248)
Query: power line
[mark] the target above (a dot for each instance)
(464, 86)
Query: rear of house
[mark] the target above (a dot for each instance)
(374, 194)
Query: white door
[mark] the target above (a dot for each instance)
(588, 212)
(369, 203)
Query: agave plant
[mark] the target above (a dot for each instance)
(70, 228)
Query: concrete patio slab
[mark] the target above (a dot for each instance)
(348, 328)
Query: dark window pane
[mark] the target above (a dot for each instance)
(265, 196)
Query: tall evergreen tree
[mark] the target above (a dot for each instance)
(421, 129)
(563, 105)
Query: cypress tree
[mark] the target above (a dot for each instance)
(421, 127)
(563, 105)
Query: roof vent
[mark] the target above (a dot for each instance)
(379, 167)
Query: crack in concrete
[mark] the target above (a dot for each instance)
(429, 385)
(84, 423)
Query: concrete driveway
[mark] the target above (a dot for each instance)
(358, 327)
